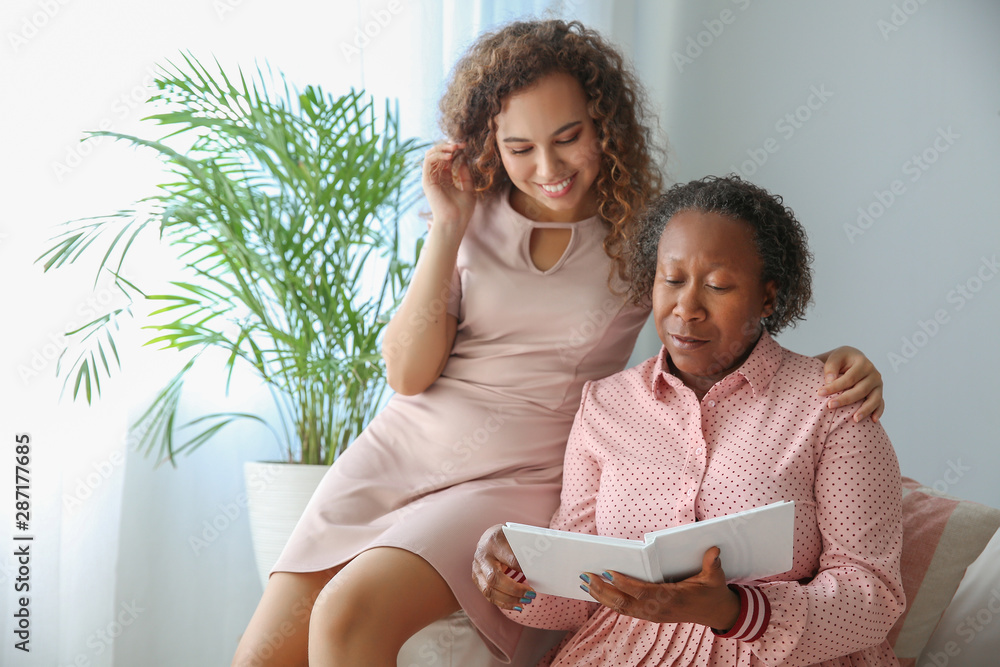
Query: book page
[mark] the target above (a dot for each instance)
(755, 543)
(552, 560)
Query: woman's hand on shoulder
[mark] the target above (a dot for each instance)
(447, 183)
(704, 598)
(492, 566)
(848, 370)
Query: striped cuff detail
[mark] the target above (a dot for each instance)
(516, 575)
(755, 613)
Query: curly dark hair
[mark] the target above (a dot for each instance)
(519, 54)
(779, 237)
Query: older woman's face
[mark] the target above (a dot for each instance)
(709, 296)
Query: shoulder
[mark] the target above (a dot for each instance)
(800, 366)
(484, 234)
(491, 205)
(627, 384)
(797, 383)
(491, 222)
(800, 376)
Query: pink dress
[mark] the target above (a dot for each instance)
(484, 444)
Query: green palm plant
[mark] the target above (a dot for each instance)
(285, 212)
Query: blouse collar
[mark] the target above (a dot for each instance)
(757, 370)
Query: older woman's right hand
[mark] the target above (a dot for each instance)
(490, 566)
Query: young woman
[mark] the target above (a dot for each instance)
(515, 303)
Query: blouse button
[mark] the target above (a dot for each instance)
(711, 404)
(690, 492)
(699, 451)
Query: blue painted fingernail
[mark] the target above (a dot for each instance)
(585, 578)
(525, 600)
(518, 609)
(585, 589)
(607, 575)
(530, 594)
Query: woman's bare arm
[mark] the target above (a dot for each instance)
(419, 338)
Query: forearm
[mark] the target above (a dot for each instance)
(839, 613)
(417, 340)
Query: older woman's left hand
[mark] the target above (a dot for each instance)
(704, 598)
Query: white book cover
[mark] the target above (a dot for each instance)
(755, 543)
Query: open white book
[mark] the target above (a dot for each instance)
(755, 543)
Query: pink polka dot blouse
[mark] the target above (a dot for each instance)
(645, 454)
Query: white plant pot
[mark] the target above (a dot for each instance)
(277, 494)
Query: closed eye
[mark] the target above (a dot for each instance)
(561, 142)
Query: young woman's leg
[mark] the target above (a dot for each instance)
(278, 633)
(373, 605)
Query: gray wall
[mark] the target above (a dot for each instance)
(906, 127)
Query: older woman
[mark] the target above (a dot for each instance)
(723, 419)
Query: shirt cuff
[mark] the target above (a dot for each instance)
(516, 575)
(755, 613)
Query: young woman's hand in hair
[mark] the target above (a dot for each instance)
(447, 183)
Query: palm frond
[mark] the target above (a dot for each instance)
(284, 206)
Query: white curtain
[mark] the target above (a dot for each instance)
(133, 564)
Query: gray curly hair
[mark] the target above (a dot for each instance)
(778, 235)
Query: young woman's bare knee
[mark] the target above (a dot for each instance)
(377, 602)
(279, 629)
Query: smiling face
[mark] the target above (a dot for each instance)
(709, 296)
(549, 147)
